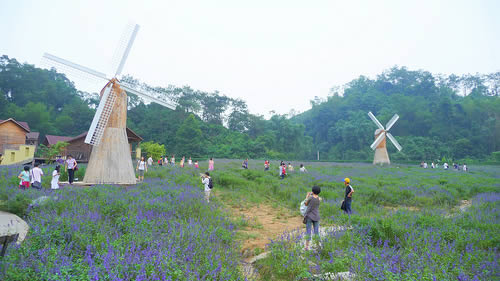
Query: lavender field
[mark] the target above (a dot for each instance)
(408, 223)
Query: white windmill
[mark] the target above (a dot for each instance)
(110, 160)
(379, 145)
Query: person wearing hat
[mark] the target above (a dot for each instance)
(348, 195)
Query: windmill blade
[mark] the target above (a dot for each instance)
(86, 78)
(148, 93)
(394, 141)
(379, 125)
(60, 63)
(101, 116)
(391, 122)
(377, 141)
(121, 54)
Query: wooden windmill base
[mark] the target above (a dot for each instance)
(110, 162)
(381, 156)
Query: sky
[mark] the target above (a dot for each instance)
(275, 55)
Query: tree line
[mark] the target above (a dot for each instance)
(437, 119)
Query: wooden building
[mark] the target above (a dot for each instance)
(14, 146)
(81, 150)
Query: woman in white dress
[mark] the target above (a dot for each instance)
(54, 184)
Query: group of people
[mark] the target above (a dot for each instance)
(313, 201)
(163, 161)
(142, 164)
(456, 166)
(33, 177)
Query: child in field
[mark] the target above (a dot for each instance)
(266, 165)
(24, 176)
(190, 162)
(54, 183)
(172, 160)
(206, 180)
(245, 164)
(141, 167)
(182, 162)
(290, 167)
(283, 171)
(303, 168)
(196, 165)
(211, 164)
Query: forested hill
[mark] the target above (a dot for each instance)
(453, 117)
(435, 120)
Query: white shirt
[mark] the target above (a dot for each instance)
(465, 167)
(54, 184)
(303, 169)
(150, 161)
(205, 181)
(190, 162)
(36, 175)
(142, 165)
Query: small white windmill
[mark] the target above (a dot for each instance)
(379, 145)
(110, 160)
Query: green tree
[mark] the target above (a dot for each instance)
(189, 138)
(153, 149)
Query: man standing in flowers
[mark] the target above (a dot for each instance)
(205, 179)
(348, 195)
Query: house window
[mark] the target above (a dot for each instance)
(27, 151)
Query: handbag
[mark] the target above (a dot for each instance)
(75, 168)
(303, 207)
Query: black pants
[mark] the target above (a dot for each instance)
(71, 175)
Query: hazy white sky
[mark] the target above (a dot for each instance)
(276, 55)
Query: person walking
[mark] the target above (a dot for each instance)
(303, 168)
(266, 165)
(36, 177)
(150, 161)
(311, 217)
(54, 183)
(348, 195)
(24, 176)
(70, 166)
(211, 164)
(172, 160)
(190, 162)
(465, 167)
(207, 182)
(283, 171)
(141, 167)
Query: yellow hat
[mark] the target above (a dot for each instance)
(347, 180)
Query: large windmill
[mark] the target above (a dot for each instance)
(110, 160)
(380, 145)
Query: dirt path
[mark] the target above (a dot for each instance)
(259, 223)
(264, 223)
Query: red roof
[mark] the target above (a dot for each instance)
(21, 124)
(32, 135)
(54, 139)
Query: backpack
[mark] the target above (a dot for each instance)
(210, 183)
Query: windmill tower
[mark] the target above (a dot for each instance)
(380, 144)
(110, 161)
